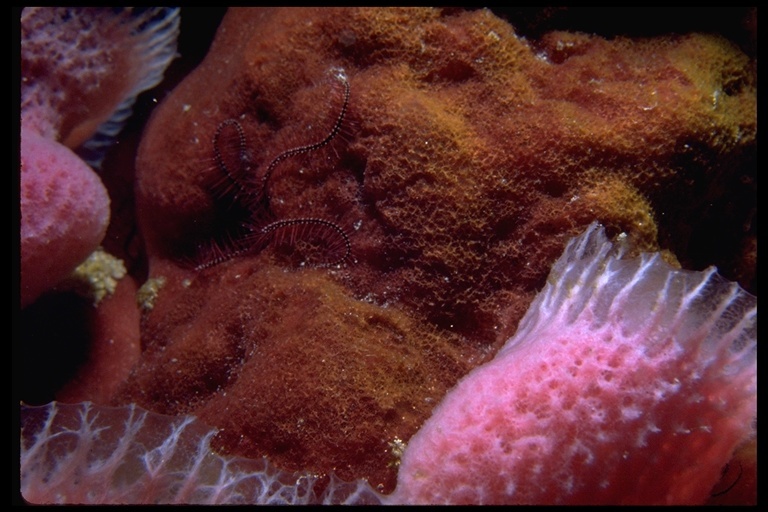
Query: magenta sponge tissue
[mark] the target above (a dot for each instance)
(82, 69)
(64, 213)
(627, 382)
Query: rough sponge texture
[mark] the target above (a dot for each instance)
(470, 155)
(64, 213)
(467, 158)
(628, 382)
(82, 69)
(89, 454)
(294, 368)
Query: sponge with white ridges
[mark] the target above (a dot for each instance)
(628, 382)
(86, 453)
(82, 69)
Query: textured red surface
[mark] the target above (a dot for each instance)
(469, 156)
(115, 347)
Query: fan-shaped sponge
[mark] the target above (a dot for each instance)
(627, 382)
(82, 69)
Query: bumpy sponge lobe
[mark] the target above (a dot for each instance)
(628, 382)
(82, 69)
(64, 213)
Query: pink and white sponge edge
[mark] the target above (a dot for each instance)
(627, 382)
(82, 69)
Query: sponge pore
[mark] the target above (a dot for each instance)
(628, 382)
(64, 213)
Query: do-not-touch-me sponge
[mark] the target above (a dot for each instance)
(628, 382)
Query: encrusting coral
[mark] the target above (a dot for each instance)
(467, 158)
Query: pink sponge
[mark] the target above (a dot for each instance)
(64, 213)
(86, 453)
(627, 382)
(82, 69)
